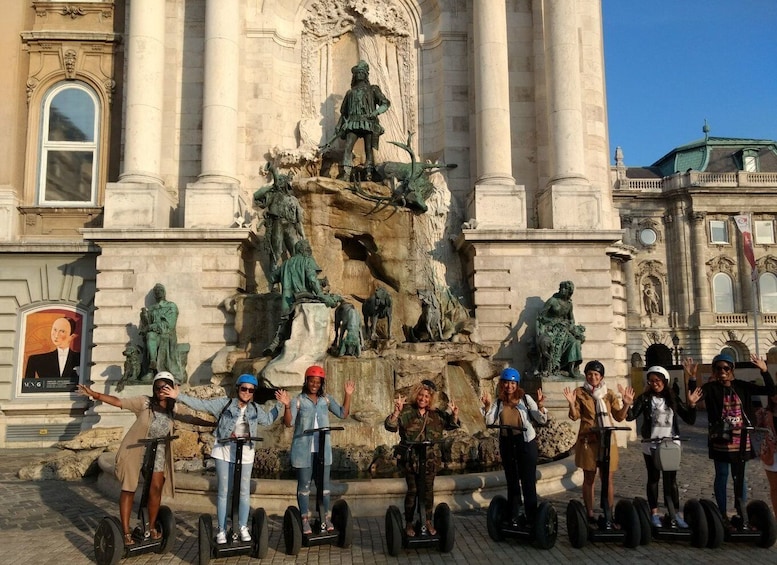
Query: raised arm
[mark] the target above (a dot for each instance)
(106, 398)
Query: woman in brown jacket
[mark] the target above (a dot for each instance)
(154, 419)
(595, 406)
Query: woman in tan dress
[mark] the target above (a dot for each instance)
(595, 406)
(154, 419)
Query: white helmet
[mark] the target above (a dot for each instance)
(164, 376)
(659, 371)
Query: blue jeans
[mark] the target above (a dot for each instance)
(224, 473)
(721, 480)
(304, 478)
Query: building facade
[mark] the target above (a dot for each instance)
(690, 287)
(137, 130)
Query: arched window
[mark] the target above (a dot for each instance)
(767, 286)
(724, 293)
(68, 146)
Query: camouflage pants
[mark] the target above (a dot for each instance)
(411, 478)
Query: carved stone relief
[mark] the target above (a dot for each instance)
(721, 264)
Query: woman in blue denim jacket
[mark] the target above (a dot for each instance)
(307, 411)
(237, 417)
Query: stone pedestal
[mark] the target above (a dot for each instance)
(570, 206)
(498, 206)
(200, 270)
(137, 205)
(311, 331)
(9, 223)
(210, 205)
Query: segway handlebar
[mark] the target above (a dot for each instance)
(660, 439)
(150, 440)
(610, 428)
(242, 439)
(324, 429)
(505, 427)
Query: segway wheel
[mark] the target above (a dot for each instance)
(715, 532)
(394, 532)
(205, 538)
(545, 526)
(697, 522)
(759, 516)
(166, 522)
(108, 542)
(495, 516)
(626, 516)
(643, 512)
(343, 523)
(443, 523)
(577, 524)
(260, 534)
(292, 530)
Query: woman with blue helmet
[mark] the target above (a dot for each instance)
(513, 407)
(237, 417)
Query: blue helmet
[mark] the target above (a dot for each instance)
(510, 374)
(723, 357)
(250, 379)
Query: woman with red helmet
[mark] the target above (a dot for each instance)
(309, 410)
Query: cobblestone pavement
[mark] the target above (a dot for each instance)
(54, 522)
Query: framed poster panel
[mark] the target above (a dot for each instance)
(50, 350)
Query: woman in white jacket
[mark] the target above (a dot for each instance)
(515, 408)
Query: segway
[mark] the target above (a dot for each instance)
(758, 527)
(667, 458)
(622, 526)
(257, 547)
(342, 535)
(396, 536)
(109, 545)
(542, 532)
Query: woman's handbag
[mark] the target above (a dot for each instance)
(720, 431)
(666, 456)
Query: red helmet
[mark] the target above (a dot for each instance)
(315, 371)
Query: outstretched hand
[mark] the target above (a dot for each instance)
(485, 400)
(627, 393)
(454, 409)
(283, 397)
(399, 403)
(695, 396)
(350, 387)
(569, 394)
(758, 362)
(690, 367)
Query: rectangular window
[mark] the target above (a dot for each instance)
(718, 231)
(764, 231)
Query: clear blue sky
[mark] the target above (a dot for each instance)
(669, 64)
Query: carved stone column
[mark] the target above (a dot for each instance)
(497, 201)
(215, 198)
(139, 199)
(568, 202)
(700, 280)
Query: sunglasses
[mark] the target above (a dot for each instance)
(723, 368)
(246, 389)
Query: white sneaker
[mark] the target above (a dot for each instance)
(245, 535)
(221, 537)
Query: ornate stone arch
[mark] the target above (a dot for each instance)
(338, 33)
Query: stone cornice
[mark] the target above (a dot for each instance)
(59, 35)
(204, 236)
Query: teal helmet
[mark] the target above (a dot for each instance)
(510, 374)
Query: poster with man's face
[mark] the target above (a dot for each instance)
(51, 351)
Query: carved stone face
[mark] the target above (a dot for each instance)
(159, 292)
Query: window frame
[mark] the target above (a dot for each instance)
(716, 295)
(772, 296)
(757, 233)
(46, 146)
(724, 225)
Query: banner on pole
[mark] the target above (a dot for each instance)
(743, 223)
